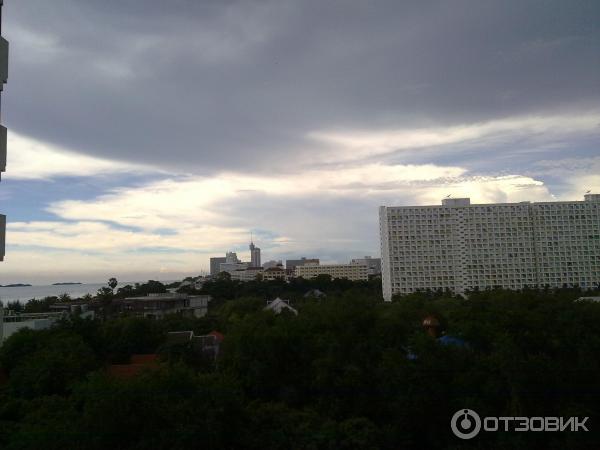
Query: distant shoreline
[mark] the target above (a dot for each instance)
(65, 284)
(79, 290)
(16, 285)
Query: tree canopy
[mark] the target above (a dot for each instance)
(348, 372)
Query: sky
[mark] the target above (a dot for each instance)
(146, 136)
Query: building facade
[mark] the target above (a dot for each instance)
(353, 272)
(374, 264)
(272, 263)
(461, 247)
(3, 79)
(229, 263)
(160, 305)
(215, 264)
(231, 257)
(246, 274)
(291, 264)
(254, 255)
(233, 267)
(11, 322)
(275, 273)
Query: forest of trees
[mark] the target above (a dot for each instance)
(348, 372)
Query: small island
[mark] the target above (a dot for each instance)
(64, 284)
(16, 285)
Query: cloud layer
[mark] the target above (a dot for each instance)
(175, 225)
(29, 159)
(240, 85)
(147, 136)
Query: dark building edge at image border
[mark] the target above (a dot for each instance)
(3, 79)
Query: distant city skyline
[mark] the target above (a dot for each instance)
(145, 138)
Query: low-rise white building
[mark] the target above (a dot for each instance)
(79, 309)
(11, 322)
(275, 273)
(353, 272)
(373, 264)
(246, 274)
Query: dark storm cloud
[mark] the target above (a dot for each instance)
(212, 85)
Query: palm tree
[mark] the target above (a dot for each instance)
(64, 298)
(112, 283)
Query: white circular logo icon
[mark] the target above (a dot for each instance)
(465, 423)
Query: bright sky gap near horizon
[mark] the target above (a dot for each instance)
(147, 136)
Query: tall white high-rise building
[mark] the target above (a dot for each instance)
(461, 247)
(3, 78)
(254, 255)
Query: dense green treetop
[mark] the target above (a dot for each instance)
(348, 372)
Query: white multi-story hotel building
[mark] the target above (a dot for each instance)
(3, 78)
(461, 247)
(353, 272)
